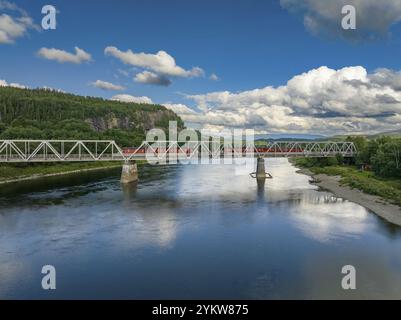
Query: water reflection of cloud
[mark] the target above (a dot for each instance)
(149, 221)
(377, 277)
(151, 225)
(284, 177)
(228, 182)
(12, 272)
(324, 223)
(216, 183)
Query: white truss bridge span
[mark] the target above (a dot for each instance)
(108, 150)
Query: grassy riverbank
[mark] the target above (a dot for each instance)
(22, 171)
(366, 181)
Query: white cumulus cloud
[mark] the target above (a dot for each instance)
(62, 56)
(4, 83)
(132, 99)
(161, 62)
(374, 18)
(214, 77)
(157, 68)
(322, 100)
(180, 109)
(148, 77)
(104, 85)
(15, 23)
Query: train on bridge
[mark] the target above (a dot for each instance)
(225, 150)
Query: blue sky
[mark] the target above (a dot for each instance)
(248, 44)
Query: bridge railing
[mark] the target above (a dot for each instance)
(108, 150)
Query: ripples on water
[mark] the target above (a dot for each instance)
(192, 232)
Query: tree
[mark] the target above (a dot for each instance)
(361, 144)
(340, 159)
(387, 160)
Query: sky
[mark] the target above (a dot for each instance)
(278, 66)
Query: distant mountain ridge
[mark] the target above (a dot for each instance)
(288, 137)
(387, 133)
(393, 133)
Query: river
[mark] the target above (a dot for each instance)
(192, 231)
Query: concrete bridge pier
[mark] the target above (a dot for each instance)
(129, 172)
(260, 173)
(260, 169)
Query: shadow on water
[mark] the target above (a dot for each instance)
(156, 173)
(391, 230)
(56, 190)
(56, 182)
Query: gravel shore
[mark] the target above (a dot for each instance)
(380, 206)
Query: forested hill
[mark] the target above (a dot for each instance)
(46, 114)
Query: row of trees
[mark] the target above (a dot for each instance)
(383, 154)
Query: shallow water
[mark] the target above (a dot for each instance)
(192, 231)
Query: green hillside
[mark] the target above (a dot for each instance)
(45, 114)
(395, 133)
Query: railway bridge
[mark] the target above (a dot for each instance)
(25, 151)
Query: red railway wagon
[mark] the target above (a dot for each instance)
(277, 150)
(157, 150)
(265, 150)
(226, 150)
(134, 150)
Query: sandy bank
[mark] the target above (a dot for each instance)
(380, 206)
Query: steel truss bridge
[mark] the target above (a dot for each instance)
(107, 150)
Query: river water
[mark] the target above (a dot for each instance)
(192, 231)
